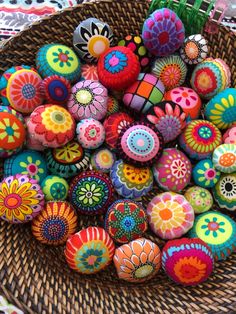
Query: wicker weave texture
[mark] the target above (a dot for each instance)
(35, 277)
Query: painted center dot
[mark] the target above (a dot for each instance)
(140, 142)
(163, 38)
(13, 201)
(84, 97)
(63, 57)
(213, 226)
(58, 91)
(99, 47)
(165, 214)
(114, 61)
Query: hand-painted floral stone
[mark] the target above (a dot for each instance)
(113, 126)
(230, 136)
(137, 261)
(168, 118)
(144, 93)
(209, 78)
(91, 192)
(224, 191)
(172, 171)
(126, 220)
(90, 133)
(188, 262)
(129, 181)
(170, 215)
(89, 250)
(12, 132)
(224, 158)
(171, 70)
(92, 38)
(194, 49)
(55, 223)
(28, 162)
(218, 231)
(59, 60)
(52, 125)
(163, 32)
(55, 188)
(135, 43)
(205, 174)
(199, 198)
(187, 99)
(118, 68)
(89, 72)
(21, 199)
(68, 160)
(56, 89)
(221, 109)
(200, 138)
(102, 160)
(24, 91)
(140, 143)
(88, 99)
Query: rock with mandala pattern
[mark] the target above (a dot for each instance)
(129, 181)
(68, 160)
(218, 231)
(91, 193)
(55, 223)
(89, 250)
(172, 171)
(170, 215)
(51, 125)
(55, 188)
(199, 198)
(194, 49)
(28, 162)
(188, 262)
(224, 158)
(92, 38)
(126, 220)
(200, 138)
(21, 199)
(12, 132)
(57, 59)
(224, 191)
(137, 261)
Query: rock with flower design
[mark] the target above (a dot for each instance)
(90, 133)
(23, 91)
(137, 261)
(224, 158)
(218, 231)
(187, 99)
(91, 193)
(118, 68)
(126, 220)
(57, 59)
(140, 144)
(171, 70)
(199, 198)
(88, 99)
(168, 118)
(130, 181)
(205, 174)
(210, 77)
(170, 215)
(51, 125)
(194, 49)
(200, 138)
(92, 37)
(144, 93)
(89, 250)
(56, 89)
(230, 136)
(163, 32)
(172, 171)
(224, 191)
(55, 188)
(89, 72)
(68, 160)
(221, 109)
(21, 199)
(55, 223)
(113, 125)
(12, 132)
(188, 262)
(28, 162)
(102, 160)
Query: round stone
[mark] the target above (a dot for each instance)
(56, 89)
(199, 198)
(224, 158)
(55, 188)
(102, 160)
(194, 49)
(205, 174)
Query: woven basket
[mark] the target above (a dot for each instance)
(35, 277)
